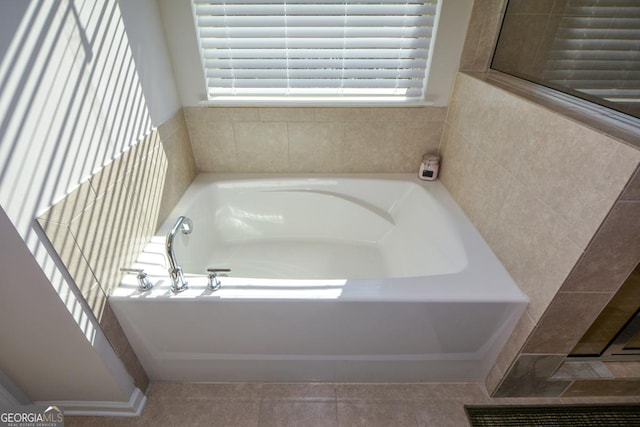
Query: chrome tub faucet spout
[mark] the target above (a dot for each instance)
(184, 225)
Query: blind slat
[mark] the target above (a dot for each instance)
(314, 21)
(313, 43)
(318, 83)
(317, 9)
(335, 73)
(199, 3)
(256, 32)
(314, 53)
(291, 63)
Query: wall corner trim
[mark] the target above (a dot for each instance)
(132, 408)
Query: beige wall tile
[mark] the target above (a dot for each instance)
(243, 114)
(416, 115)
(315, 147)
(301, 114)
(410, 142)
(531, 241)
(346, 114)
(218, 138)
(482, 33)
(180, 171)
(597, 201)
(474, 30)
(505, 133)
(470, 108)
(541, 209)
(207, 114)
(365, 148)
(109, 234)
(489, 35)
(71, 255)
(493, 380)
(478, 184)
(613, 253)
(145, 188)
(483, 195)
(173, 123)
(221, 114)
(213, 145)
(118, 169)
(456, 163)
(564, 163)
(145, 147)
(515, 343)
(71, 205)
(566, 320)
(261, 146)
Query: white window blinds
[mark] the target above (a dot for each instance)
(335, 50)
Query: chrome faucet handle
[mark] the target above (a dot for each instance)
(177, 280)
(144, 284)
(214, 283)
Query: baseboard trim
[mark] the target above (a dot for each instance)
(132, 408)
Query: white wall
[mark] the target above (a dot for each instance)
(182, 42)
(71, 100)
(147, 42)
(43, 351)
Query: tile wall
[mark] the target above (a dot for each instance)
(103, 224)
(313, 139)
(482, 34)
(537, 186)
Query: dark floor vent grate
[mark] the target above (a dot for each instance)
(554, 415)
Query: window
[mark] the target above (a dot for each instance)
(587, 48)
(341, 51)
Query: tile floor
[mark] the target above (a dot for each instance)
(311, 405)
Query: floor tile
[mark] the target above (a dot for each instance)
(293, 413)
(374, 391)
(299, 391)
(375, 414)
(205, 391)
(441, 413)
(218, 413)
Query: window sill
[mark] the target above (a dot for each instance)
(312, 103)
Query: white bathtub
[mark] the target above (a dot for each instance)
(333, 278)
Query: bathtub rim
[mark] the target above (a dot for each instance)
(484, 278)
